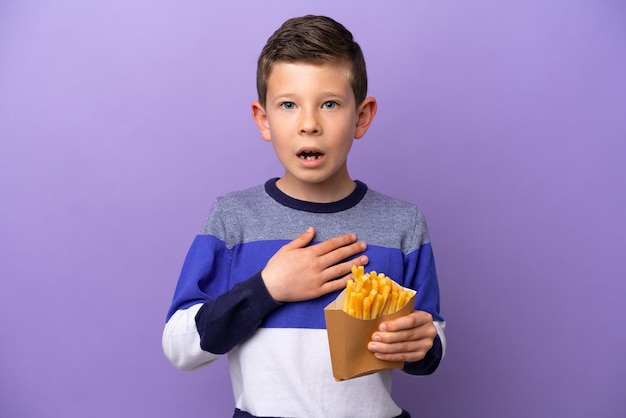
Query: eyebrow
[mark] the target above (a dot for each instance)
(333, 94)
(324, 94)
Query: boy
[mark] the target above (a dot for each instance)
(251, 290)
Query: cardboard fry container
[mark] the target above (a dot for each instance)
(348, 338)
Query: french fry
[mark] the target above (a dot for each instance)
(357, 273)
(367, 309)
(370, 295)
(401, 301)
(378, 302)
(350, 289)
(358, 305)
(386, 299)
(350, 297)
(394, 301)
(374, 283)
(365, 288)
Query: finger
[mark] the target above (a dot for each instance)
(342, 269)
(334, 243)
(422, 333)
(399, 347)
(334, 285)
(337, 256)
(412, 320)
(405, 351)
(398, 336)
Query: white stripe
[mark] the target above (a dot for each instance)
(181, 341)
(287, 372)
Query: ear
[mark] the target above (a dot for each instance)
(260, 118)
(365, 115)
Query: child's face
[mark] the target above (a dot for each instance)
(311, 118)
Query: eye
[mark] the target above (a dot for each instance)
(330, 105)
(288, 105)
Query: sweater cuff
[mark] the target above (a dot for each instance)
(234, 316)
(257, 295)
(429, 363)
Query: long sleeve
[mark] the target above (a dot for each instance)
(233, 317)
(420, 274)
(195, 336)
(213, 309)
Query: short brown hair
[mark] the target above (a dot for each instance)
(314, 40)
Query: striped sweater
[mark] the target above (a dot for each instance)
(278, 353)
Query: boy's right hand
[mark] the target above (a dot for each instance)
(299, 272)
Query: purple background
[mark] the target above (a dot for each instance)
(120, 122)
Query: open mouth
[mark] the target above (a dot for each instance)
(310, 155)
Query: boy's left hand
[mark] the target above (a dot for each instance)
(407, 338)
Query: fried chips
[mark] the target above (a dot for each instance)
(370, 295)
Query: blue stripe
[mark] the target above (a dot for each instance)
(209, 257)
(415, 270)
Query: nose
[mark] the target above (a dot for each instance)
(309, 122)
